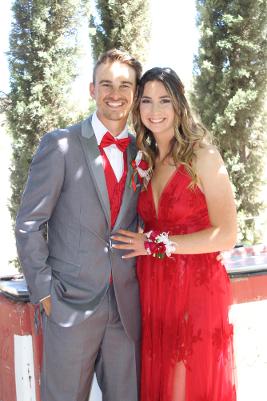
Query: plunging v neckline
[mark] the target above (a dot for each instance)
(156, 207)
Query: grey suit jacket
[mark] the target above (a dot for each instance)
(66, 191)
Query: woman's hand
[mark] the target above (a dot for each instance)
(130, 241)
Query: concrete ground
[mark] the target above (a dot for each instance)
(250, 344)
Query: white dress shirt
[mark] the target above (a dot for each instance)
(114, 155)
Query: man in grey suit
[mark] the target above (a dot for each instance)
(78, 186)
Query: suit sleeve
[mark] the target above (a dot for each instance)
(43, 188)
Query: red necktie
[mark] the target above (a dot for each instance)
(109, 139)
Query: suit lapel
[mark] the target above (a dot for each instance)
(94, 161)
(128, 190)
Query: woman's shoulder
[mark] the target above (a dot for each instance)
(206, 150)
(207, 156)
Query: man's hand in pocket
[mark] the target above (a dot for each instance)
(47, 305)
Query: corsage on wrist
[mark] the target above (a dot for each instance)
(158, 244)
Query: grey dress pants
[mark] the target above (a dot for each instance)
(99, 344)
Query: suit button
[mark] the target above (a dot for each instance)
(109, 246)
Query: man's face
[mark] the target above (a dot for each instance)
(113, 91)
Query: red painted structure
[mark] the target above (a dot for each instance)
(249, 289)
(16, 318)
(247, 267)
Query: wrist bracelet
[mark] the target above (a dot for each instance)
(158, 244)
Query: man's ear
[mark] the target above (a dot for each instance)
(92, 90)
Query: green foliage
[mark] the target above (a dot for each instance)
(42, 60)
(229, 93)
(84, 114)
(121, 24)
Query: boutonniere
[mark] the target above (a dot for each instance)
(140, 169)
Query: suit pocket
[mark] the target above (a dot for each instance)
(63, 266)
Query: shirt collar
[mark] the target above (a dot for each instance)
(100, 129)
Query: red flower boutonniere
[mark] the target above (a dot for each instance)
(140, 168)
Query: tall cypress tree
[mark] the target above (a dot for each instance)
(42, 60)
(121, 24)
(229, 91)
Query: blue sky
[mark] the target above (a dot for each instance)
(174, 40)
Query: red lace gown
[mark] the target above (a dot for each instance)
(187, 349)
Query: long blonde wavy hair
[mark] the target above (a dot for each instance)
(187, 132)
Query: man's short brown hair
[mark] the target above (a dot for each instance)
(113, 55)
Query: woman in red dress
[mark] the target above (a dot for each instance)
(189, 215)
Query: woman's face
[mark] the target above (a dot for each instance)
(156, 110)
